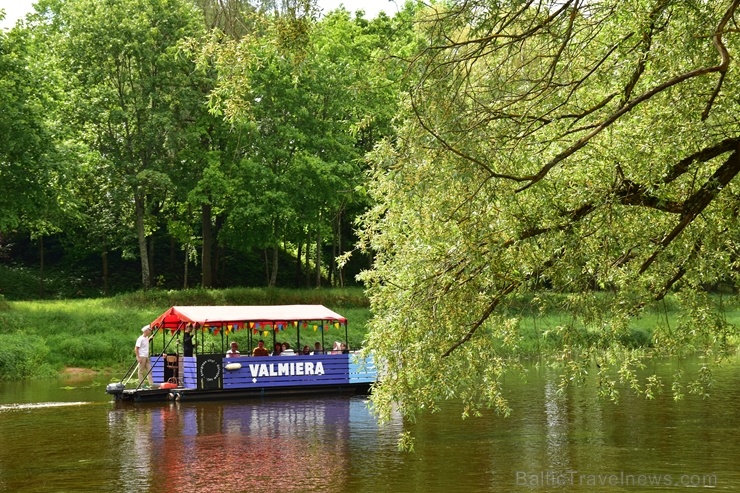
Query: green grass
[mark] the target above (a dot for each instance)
(40, 338)
(545, 326)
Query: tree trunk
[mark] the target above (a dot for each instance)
(339, 273)
(206, 269)
(217, 276)
(41, 266)
(299, 265)
(307, 267)
(185, 268)
(335, 238)
(146, 279)
(150, 250)
(104, 256)
(318, 256)
(273, 275)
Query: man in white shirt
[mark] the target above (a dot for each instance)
(142, 355)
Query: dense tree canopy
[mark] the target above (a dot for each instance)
(590, 147)
(228, 135)
(27, 170)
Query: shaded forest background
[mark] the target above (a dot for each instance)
(189, 143)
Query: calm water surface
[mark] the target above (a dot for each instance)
(67, 436)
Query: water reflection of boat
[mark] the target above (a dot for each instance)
(211, 375)
(278, 444)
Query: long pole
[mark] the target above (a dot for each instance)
(323, 344)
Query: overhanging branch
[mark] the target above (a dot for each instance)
(698, 202)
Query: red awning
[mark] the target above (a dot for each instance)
(221, 315)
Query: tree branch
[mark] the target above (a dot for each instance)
(580, 143)
(703, 155)
(455, 151)
(647, 41)
(698, 202)
(486, 314)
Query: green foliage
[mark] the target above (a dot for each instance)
(349, 297)
(28, 175)
(118, 152)
(586, 149)
(24, 283)
(125, 94)
(80, 350)
(23, 356)
(40, 338)
(18, 283)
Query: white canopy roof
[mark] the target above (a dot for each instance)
(217, 315)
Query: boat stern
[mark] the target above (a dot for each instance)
(115, 389)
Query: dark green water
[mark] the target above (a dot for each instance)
(67, 436)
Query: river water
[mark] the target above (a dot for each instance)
(68, 436)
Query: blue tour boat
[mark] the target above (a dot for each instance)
(213, 375)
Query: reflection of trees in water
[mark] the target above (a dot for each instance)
(285, 445)
(293, 420)
(277, 445)
(230, 462)
(132, 433)
(557, 431)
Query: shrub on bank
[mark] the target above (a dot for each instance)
(23, 356)
(334, 297)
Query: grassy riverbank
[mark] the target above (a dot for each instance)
(43, 338)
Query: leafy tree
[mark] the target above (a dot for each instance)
(239, 30)
(590, 147)
(28, 172)
(34, 172)
(303, 94)
(125, 79)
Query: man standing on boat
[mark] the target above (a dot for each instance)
(187, 341)
(142, 355)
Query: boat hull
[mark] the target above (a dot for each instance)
(213, 376)
(183, 394)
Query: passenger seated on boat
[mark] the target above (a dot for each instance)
(336, 348)
(306, 350)
(317, 349)
(260, 350)
(286, 350)
(343, 348)
(234, 351)
(277, 350)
